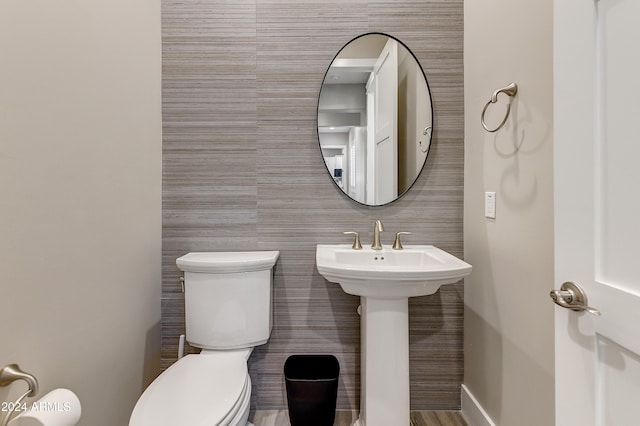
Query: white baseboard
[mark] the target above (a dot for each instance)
(473, 411)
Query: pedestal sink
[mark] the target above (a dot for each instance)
(384, 280)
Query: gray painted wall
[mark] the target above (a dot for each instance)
(509, 330)
(80, 156)
(242, 170)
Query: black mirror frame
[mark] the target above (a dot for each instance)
(432, 118)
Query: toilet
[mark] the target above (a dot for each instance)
(227, 314)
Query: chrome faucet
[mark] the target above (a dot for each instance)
(377, 229)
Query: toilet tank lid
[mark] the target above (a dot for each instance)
(227, 262)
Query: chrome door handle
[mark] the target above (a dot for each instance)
(572, 296)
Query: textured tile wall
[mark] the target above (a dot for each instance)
(243, 171)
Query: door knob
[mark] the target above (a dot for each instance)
(572, 296)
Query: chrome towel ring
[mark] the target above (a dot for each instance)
(510, 90)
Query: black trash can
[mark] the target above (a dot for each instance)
(312, 388)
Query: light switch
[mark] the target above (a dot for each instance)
(490, 205)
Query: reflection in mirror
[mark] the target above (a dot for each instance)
(374, 119)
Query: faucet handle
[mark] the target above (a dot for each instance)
(356, 240)
(397, 244)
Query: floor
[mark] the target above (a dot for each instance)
(346, 418)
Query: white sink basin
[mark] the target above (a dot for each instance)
(416, 270)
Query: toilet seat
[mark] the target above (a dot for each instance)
(210, 389)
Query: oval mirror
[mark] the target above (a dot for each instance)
(374, 119)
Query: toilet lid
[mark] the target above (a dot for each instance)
(196, 390)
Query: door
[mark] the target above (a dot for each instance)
(597, 209)
(386, 124)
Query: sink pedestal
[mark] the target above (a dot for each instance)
(385, 279)
(384, 374)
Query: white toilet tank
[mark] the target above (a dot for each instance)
(228, 298)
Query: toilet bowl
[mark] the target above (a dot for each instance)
(227, 313)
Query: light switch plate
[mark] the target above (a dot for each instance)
(490, 205)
